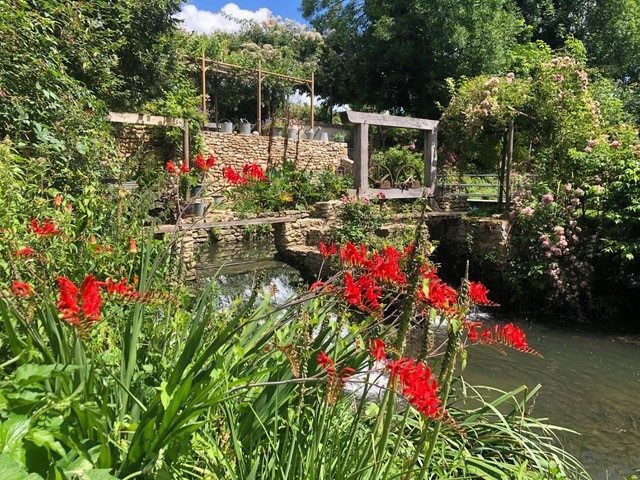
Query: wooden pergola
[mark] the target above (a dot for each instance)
(259, 74)
(362, 121)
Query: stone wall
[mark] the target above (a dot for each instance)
(131, 138)
(237, 150)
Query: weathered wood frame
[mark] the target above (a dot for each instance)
(144, 119)
(429, 128)
(259, 74)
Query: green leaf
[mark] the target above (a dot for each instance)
(13, 470)
(12, 431)
(44, 438)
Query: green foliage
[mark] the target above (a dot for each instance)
(358, 221)
(400, 163)
(396, 55)
(288, 187)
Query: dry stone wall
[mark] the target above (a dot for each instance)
(236, 150)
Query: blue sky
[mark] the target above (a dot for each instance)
(282, 8)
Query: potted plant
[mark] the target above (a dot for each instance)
(202, 165)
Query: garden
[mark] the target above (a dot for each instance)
(389, 363)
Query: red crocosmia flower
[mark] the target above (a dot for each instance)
(418, 386)
(82, 307)
(327, 364)
(211, 161)
(513, 336)
(429, 272)
(68, 300)
(171, 168)
(46, 229)
(25, 252)
(328, 250)
(354, 256)
(347, 372)
(184, 168)
(253, 171)
(21, 289)
(377, 350)
(121, 288)
(442, 296)
(200, 162)
(233, 177)
(133, 245)
(385, 266)
(317, 285)
(352, 291)
(479, 294)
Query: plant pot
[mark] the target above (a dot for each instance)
(197, 190)
(218, 199)
(199, 209)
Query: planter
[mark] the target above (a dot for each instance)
(197, 191)
(218, 199)
(199, 209)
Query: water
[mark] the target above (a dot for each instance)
(590, 381)
(590, 384)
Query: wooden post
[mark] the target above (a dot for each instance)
(361, 154)
(259, 116)
(313, 94)
(185, 142)
(430, 159)
(204, 88)
(509, 165)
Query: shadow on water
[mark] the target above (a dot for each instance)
(590, 380)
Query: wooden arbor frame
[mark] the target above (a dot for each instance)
(259, 74)
(361, 153)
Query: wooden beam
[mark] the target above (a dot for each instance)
(361, 158)
(185, 143)
(390, 193)
(144, 119)
(259, 117)
(232, 223)
(510, 138)
(313, 94)
(430, 155)
(391, 120)
(203, 66)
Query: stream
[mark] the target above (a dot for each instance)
(590, 380)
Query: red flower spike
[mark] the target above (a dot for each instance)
(91, 299)
(200, 162)
(171, 168)
(21, 289)
(352, 291)
(478, 294)
(328, 250)
(377, 350)
(442, 296)
(68, 300)
(317, 286)
(46, 229)
(233, 177)
(418, 386)
(327, 364)
(81, 307)
(184, 168)
(354, 256)
(253, 171)
(211, 161)
(25, 252)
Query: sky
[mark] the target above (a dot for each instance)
(213, 15)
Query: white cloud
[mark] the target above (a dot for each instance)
(225, 20)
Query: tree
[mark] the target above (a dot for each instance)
(396, 54)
